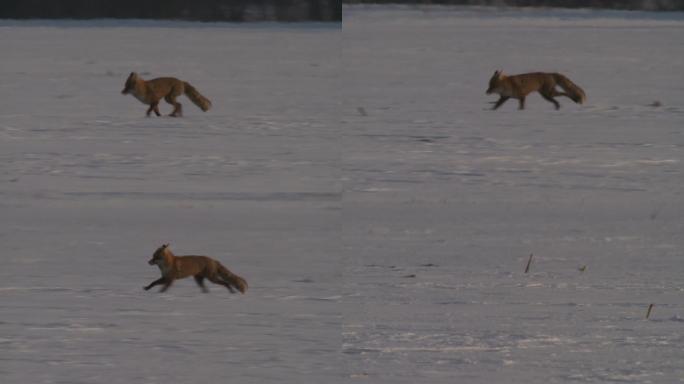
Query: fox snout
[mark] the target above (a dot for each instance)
(151, 262)
(125, 91)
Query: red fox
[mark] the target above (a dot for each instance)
(519, 86)
(150, 92)
(178, 267)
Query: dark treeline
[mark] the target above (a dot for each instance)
(201, 10)
(651, 5)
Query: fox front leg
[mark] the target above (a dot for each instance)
(200, 282)
(499, 102)
(156, 282)
(153, 107)
(521, 104)
(166, 285)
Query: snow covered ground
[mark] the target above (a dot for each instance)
(381, 214)
(444, 200)
(90, 187)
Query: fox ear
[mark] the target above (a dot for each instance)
(165, 246)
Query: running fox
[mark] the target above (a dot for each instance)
(150, 92)
(519, 86)
(178, 267)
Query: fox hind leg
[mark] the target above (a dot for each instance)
(551, 99)
(171, 99)
(575, 99)
(548, 95)
(216, 280)
(177, 107)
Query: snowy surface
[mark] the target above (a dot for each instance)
(90, 187)
(380, 213)
(440, 188)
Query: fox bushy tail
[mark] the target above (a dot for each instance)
(194, 96)
(232, 279)
(573, 91)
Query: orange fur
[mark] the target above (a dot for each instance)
(174, 267)
(519, 86)
(150, 92)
